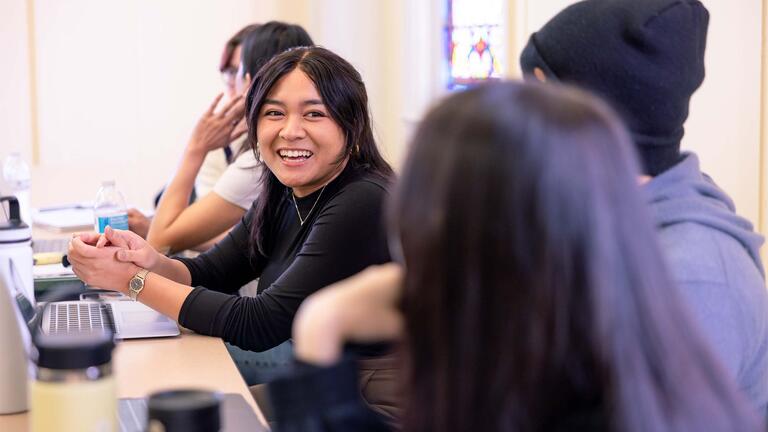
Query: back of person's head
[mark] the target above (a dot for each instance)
(232, 44)
(343, 93)
(535, 297)
(645, 57)
(268, 40)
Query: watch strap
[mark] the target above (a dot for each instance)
(141, 275)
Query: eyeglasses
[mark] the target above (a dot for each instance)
(228, 75)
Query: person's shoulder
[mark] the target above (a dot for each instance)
(245, 160)
(700, 256)
(692, 252)
(366, 184)
(360, 193)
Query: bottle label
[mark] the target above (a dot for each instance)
(115, 221)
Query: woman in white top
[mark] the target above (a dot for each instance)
(216, 162)
(177, 225)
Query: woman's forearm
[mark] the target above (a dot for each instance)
(172, 269)
(205, 219)
(175, 198)
(213, 131)
(164, 295)
(360, 309)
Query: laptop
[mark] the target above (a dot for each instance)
(126, 319)
(235, 413)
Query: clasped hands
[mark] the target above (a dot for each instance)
(111, 259)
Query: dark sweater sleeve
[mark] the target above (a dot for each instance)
(229, 264)
(315, 399)
(347, 236)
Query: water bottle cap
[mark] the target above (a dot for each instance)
(107, 182)
(73, 351)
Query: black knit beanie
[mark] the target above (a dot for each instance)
(645, 57)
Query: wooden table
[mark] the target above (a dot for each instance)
(143, 366)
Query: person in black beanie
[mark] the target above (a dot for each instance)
(646, 59)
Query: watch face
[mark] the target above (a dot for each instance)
(136, 283)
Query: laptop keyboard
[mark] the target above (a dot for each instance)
(66, 318)
(50, 245)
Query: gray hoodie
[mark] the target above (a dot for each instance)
(713, 255)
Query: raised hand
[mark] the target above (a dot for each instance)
(240, 129)
(215, 130)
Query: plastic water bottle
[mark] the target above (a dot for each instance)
(109, 208)
(17, 176)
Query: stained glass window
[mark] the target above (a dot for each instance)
(475, 41)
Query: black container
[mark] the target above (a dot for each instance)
(184, 411)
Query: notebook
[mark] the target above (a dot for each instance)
(75, 217)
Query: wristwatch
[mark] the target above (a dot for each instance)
(137, 284)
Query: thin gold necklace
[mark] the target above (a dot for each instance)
(298, 213)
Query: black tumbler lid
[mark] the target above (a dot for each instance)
(14, 230)
(185, 410)
(73, 351)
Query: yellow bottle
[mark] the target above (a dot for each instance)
(74, 390)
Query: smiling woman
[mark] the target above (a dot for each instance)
(308, 119)
(318, 219)
(299, 142)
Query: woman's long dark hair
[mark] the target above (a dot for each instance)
(535, 296)
(343, 93)
(268, 40)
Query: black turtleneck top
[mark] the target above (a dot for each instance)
(342, 235)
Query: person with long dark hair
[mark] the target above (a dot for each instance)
(318, 218)
(533, 295)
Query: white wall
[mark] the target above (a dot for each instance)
(119, 87)
(362, 32)
(725, 122)
(15, 118)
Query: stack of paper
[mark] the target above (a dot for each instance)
(52, 271)
(72, 217)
